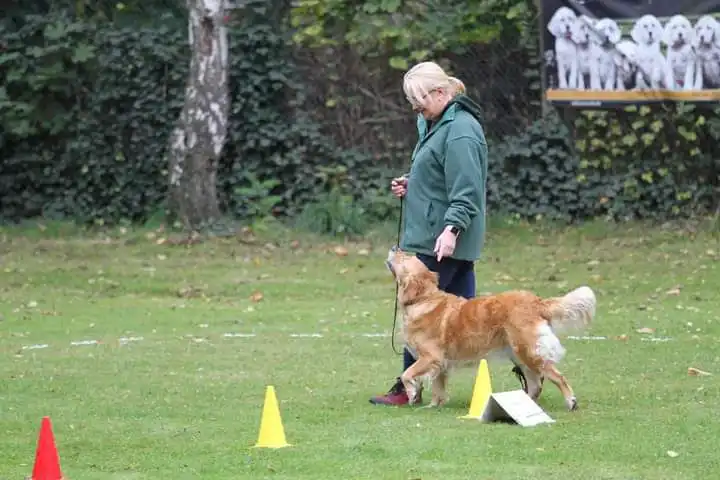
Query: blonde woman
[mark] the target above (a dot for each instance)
(444, 221)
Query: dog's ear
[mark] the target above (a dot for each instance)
(636, 33)
(695, 40)
(414, 285)
(552, 25)
(716, 31)
(667, 32)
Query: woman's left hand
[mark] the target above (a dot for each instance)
(445, 244)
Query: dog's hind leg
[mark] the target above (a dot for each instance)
(559, 380)
(539, 361)
(531, 381)
(551, 351)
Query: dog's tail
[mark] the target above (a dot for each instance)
(574, 311)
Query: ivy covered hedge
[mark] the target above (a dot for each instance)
(639, 163)
(86, 110)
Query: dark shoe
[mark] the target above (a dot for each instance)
(396, 396)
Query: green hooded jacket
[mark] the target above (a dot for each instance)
(447, 180)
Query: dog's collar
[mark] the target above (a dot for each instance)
(412, 302)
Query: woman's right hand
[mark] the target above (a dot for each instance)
(398, 186)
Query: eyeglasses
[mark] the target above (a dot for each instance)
(416, 103)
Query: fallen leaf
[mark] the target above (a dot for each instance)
(364, 252)
(672, 454)
(645, 330)
(340, 251)
(621, 337)
(161, 241)
(695, 372)
(256, 297)
(673, 291)
(344, 271)
(295, 244)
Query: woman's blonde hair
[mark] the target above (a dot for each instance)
(426, 77)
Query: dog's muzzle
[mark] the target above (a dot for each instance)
(390, 256)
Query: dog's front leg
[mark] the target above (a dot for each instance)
(574, 75)
(689, 80)
(562, 73)
(612, 77)
(439, 388)
(698, 70)
(412, 377)
(595, 75)
(669, 79)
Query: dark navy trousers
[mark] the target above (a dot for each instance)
(454, 276)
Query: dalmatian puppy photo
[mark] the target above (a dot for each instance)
(678, 36)
(566, 59)
(707, 50)
(588, 53)
(653, 72)
(607, 35)
(625, 60)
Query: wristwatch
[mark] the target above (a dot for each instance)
(454, 230)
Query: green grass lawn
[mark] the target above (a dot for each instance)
(181, 400)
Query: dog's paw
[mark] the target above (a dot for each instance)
(572, 404)
(439, 401)
(413, 389)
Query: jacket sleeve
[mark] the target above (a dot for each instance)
(465, 171)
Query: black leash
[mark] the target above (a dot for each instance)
(392, 338)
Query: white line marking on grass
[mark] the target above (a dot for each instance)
(127, 340)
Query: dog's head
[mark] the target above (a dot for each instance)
(706, 32)
(608, 32)
(414, 279)
(647, 30)
(582, 30)
(560, 24)
(678, 32)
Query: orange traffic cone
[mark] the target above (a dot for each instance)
(47, 462)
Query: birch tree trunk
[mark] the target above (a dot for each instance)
(199, 136)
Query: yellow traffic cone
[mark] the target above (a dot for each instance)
(272, 433)
(481, 392)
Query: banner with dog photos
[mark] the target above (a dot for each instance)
(615, 53)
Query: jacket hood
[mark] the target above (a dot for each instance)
(469, 105)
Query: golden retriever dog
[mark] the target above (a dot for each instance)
(447, 331)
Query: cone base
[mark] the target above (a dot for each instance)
(259, 445)
(471, 417)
